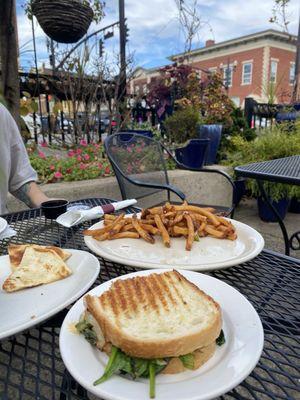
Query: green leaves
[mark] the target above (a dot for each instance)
(221, 339)
(188, 360)
(114, 363)
(152, 380)
(86, 329)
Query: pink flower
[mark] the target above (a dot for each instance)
(58, 175)
(52, 167)
(100, 166)
(129, 149)
(42, 154)
(107, 170)
(44, 144)
(82, 166)
(83, 142)
(71, 153)
(78, 158)
(86, 157)
(79, 151)
(96, 145)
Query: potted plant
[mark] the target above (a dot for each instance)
(270, 144)
(216, 108)
(65, 21)
(181, 129)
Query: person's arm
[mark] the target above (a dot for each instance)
(30, 194)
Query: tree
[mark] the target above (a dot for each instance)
(280, 17)
(10, 85)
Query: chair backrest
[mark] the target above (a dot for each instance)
(193, 154)
(136, 158)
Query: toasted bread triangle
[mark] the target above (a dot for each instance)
(38, 266)
(157, 315)
(16, 252)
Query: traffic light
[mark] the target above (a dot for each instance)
(126, 33)
(101, 48)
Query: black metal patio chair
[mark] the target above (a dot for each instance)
(140, 166)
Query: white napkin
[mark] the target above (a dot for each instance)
(74, 217)
(7, 233)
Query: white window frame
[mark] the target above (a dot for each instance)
(273, 61)
(225, 67)
(213, 70)
(292, 67)
(243, 72)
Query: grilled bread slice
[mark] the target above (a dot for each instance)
(16, 252)
(156, 316)
(38, 266)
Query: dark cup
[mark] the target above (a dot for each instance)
(53, 208)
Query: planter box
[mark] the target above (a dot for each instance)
(193, 154)
(267, 215)
(212, 132)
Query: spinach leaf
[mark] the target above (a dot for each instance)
(221, 339)
(86, 329)
(112, 366)
(188, 360)
(152, 379)
(140, 367)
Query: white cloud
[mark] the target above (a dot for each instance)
(155, 31)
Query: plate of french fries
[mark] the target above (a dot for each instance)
(180, 236)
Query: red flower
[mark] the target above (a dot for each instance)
(107, 170)
(44, 144)
(58, 175)
(78, 158)
(82, 166)
(71, 153)
(86, 157)
(42, 154)
(52, 167)
(79, 151)
(100, 166)
(69, 170)
(83, 142)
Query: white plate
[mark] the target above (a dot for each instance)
(207, 254)
(26, 308)
(3, 224)
(229, 366)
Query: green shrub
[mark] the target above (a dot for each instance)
(269, 145)
(182, 125)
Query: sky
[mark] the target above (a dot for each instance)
(154, 29)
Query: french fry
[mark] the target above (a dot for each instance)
(103, 236)
(214, 220)
(177, 219)
(164, 233)
(156, 210)
(178, 230)
(145, 235)
(106, 228)
(191, 233)
(214, 232)
(123, 235)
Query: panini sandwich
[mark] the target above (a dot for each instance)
(151, 324)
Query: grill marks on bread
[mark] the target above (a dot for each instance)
(157, 292)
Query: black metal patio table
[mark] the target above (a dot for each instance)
(281, 170)
(30, 364)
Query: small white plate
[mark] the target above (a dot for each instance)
(207, 254)
(28, 307)
(229, 366)
(3, 224)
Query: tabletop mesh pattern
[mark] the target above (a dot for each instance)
(283, 170)
(31, 366)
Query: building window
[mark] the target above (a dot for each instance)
(247, 73)
(292, 73)
(227, 75)
(213, 70)
(273, 71)
(137, 90)
(145, 89)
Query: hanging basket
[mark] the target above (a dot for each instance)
(65, 21)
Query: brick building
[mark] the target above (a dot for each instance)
(259, 65)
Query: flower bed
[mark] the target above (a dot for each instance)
(85, 161)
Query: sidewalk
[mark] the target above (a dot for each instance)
(247, 212)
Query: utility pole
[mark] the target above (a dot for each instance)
(122, 77)
(10, 84)
(296, 91)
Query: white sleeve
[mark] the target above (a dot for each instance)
(21, 171)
